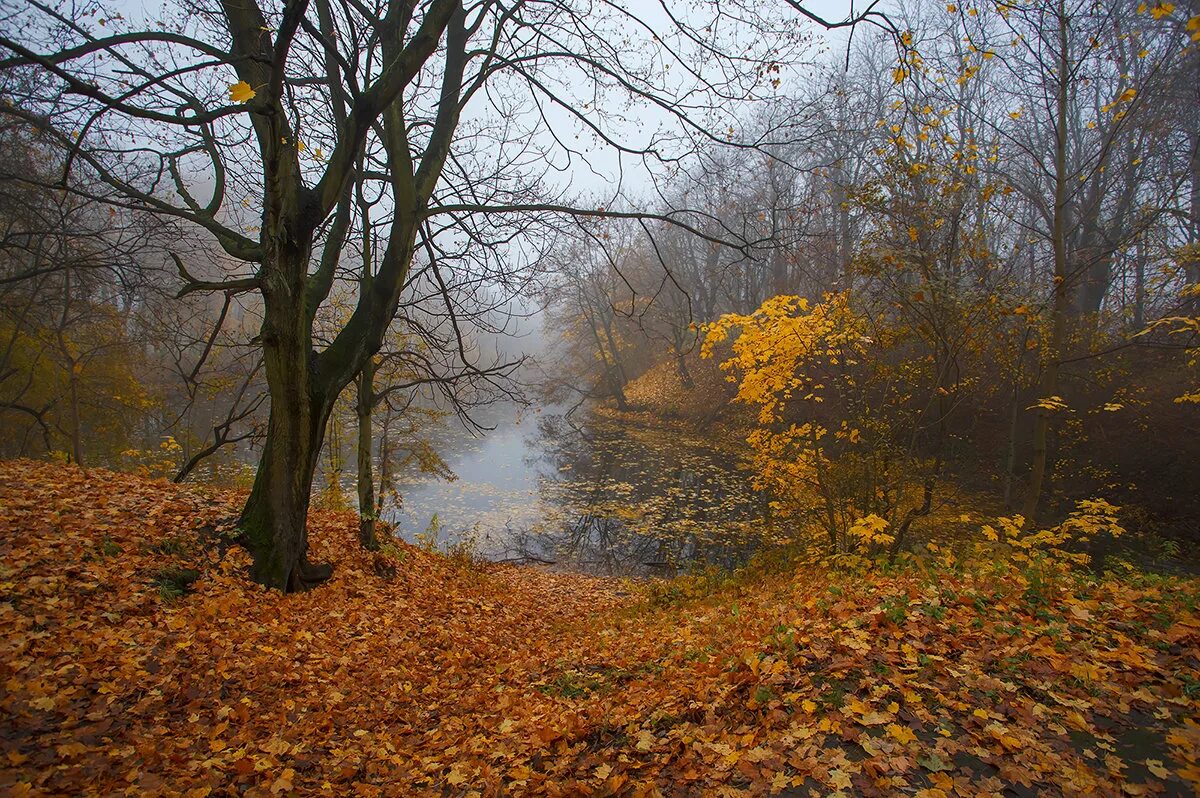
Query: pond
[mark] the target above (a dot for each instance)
(587, 492)
(616, 494)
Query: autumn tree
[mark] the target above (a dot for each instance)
(70, 282)
(581, 296)
(1085, 143)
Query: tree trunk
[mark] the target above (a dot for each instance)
(1047, 386)
(685, 376)
(613, 348)
(1010, 460)
(274, 520)
(76, 423)
(1052, 350)
(74, 366)
(1139, 287)
(681, 367)
(366, 479)
(616, 389)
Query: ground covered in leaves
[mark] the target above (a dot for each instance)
(136, 658)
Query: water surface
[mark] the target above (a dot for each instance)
(589, 493)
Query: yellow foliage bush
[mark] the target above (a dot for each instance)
(846, 477)
(1059, 543)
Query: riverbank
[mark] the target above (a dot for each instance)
(703, 401)
(137, 659)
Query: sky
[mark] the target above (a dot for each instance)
(605, 171)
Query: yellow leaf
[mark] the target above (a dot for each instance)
(284, 782)
(241, 92)
(874, 718)
(901, 734)
(1155, 766)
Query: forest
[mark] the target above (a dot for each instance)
(599, 397)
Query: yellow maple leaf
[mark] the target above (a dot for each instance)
(241, 92)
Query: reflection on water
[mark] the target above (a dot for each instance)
(598, 496)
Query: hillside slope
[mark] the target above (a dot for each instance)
(123, 676)
(661, 391)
